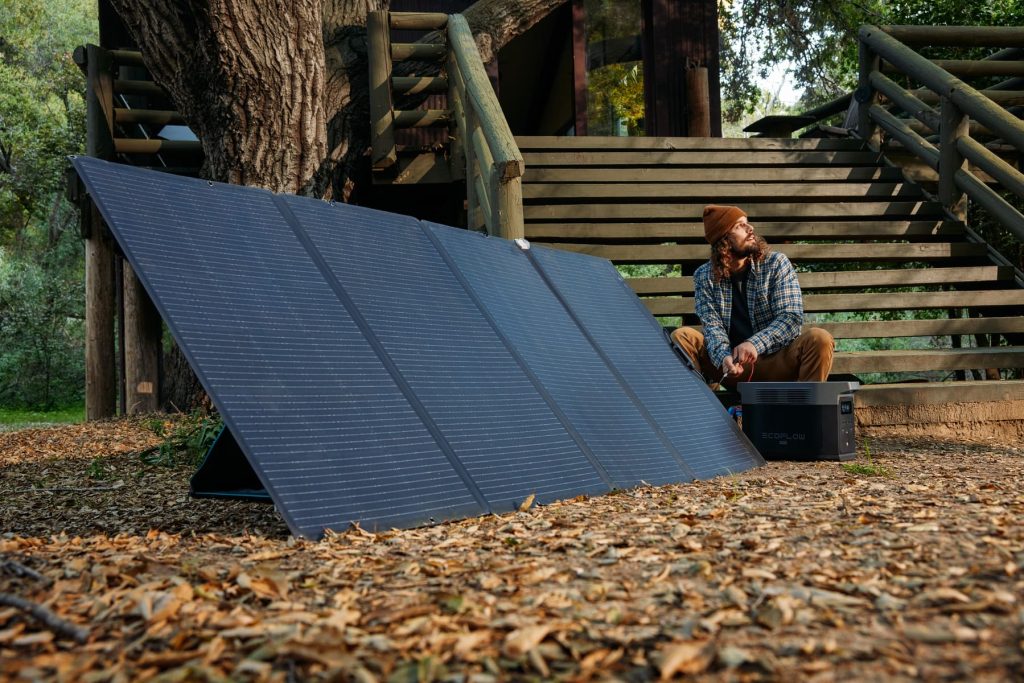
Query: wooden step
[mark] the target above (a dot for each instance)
(886, 301)
(674, 211)
(930, 393)
(673, 253)
(606, 143)
(904, 277)
(694, 231)
(701, 158)
(711, 193)
(941, 327)
(880, 329)
(766, 174)
(927, 359)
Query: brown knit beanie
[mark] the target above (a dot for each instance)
(718, 220)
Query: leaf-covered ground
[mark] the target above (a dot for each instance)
(791, 572)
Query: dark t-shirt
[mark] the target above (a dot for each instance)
(740, 327)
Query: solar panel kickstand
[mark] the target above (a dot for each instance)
(226, 473)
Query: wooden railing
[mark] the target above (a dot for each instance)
(958, 102)
(482, 149)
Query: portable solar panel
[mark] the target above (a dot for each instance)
(371, 368)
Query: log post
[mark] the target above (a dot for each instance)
(100, 385)
(141, 347)
(953, 125)
(100, 365)
(866, 97)
(698, 103)
(382, 114)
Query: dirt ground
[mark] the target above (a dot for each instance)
(909, 568)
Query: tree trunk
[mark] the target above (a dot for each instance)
(278, 93)
(248, 76)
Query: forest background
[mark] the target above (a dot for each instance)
(42, 122)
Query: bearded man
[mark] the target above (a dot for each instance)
(749, 302)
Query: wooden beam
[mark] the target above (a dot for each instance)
(418, 21)
(384, 153)
(152, 116)
(709, 192)
(826, 211)
(599, 143)
(154, 146)
(930, 393)
(848, 279)
(698, 157)
(765, 174)
(958, 36)
(886, 301)
(418, 52)
(422, 118)
(927, 359)
(413, 85)
(694, 230)
(698, 103)
(880, 329)
(142, 345)
(799, 252)
(100, 372)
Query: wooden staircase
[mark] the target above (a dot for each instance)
(863, 237)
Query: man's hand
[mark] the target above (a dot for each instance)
(731, 368)
(745, 353)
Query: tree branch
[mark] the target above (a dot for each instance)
(5, 159)
(49, 619)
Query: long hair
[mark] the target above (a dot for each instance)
(723, 262)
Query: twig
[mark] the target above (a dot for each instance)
(18, 569)
(33, 489)
(49, 619)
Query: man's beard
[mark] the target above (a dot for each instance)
(746, 249)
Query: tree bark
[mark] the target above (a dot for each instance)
(248, 76)
(278, 93)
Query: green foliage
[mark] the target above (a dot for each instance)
(18, 419)
(185, 441)
(818, 37)
(615, 91)
(42, 121)
(868, 467)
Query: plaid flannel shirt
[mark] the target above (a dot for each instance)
(776, 306)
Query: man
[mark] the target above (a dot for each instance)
(749, 301)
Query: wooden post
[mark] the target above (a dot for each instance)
(866, 97)
(100, 387)
(579, 66)
(141, 347)
(100, 365)
(953, 126)
(382, 115)
(698, 103)
(510, 208)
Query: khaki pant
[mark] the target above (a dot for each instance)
(807, 359)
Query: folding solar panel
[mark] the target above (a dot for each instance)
(371, 368)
